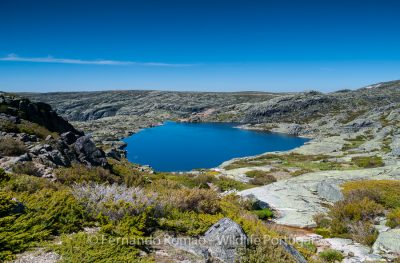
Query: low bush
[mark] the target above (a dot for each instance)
(331, 255)
(393, 218)
(8, 126)
(384, 192)
(260, 177)
(36, 217)
(29, 184)
(226, 184)
(114, 201)
(368, 161)
(80, 174)
(197, 200)
(4, 177)
(83, 247)
(188, 222)
(128, 173)
(27, 168)
(264, 213)
(11, 147)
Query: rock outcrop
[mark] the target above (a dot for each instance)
(221, 241)
(388, 242)
(68, 147)
(38, 112)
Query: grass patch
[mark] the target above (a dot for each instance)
(368, 161)
(11, 147)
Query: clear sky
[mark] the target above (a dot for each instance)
(218, 45)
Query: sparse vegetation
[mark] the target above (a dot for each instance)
(28, 168)
(11, 147)
(363, 201)
(259, 177)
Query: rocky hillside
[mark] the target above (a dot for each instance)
(110, 115)
(33, 133)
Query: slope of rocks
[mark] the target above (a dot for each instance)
(66, 147)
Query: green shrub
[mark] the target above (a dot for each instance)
(325, 232)
(188, 222)
(331, 255)
(393, 218)
(80, 174)
(83, 247)
(11, 147)
(368, 161)
(4, 177)
(28, 168)
(264, 213)
(225, 184)
(36, 217)
(29, 184)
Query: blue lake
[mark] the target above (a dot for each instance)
(186, 146)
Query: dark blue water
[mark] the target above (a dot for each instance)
(186, 146)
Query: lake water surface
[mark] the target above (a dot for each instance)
(186, 146)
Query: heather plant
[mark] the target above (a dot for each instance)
(114, 201)
(197, 200)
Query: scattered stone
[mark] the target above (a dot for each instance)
(353, 251)
(88, 152)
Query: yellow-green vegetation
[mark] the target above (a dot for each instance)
(331, 255)
(35, 129)
(80, 173)
(264, 213)
(300, 162)
(368, 161)
(82, 247)
(384, 192)
(26, 127)
(201, 180)
(355, 142)
(29, 218)
(393, 218)
(11, 147)
(125, 203)
(259, 177)
(353, 217)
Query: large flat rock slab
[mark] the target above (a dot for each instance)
(299, 198)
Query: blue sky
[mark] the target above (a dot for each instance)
(198, 44)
